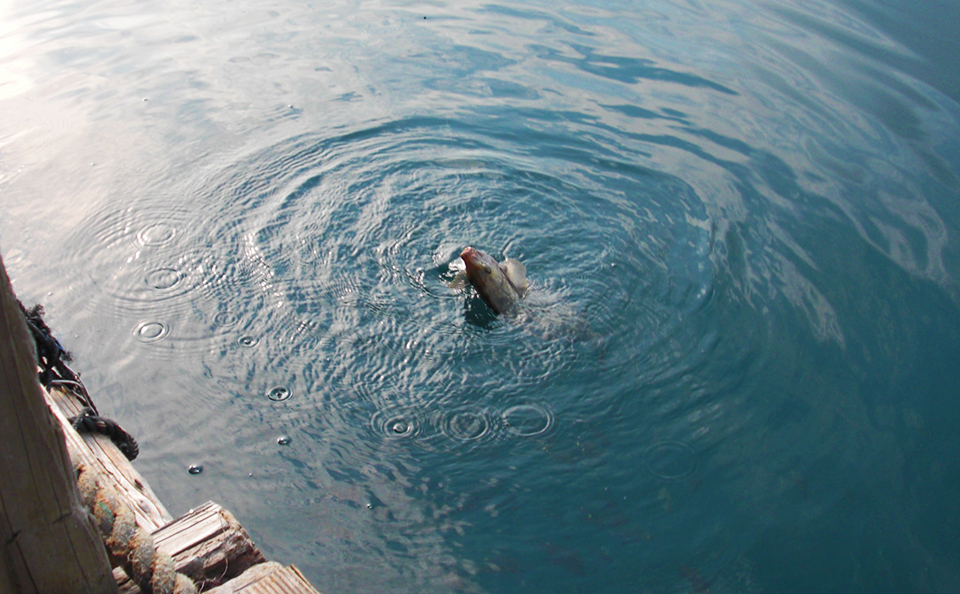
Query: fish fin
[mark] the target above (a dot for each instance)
(516, 273)
(459, 281)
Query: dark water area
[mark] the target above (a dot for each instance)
(736, 368)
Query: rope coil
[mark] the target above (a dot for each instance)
(88, 421)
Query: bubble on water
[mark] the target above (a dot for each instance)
(195, 469)
(527, 420)
(671, 460)
(283, 440)
(248, 342)
(150, 331)
(163, 278)
(279, 394)
(396, 425)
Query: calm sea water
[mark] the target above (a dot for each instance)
(737, 369)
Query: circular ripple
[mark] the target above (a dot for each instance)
(396, 425)
(133, 258)
(226, 319)
(155, 234)
(671, 460)
(150, 331)
(465, 424)
(163, 278)
(279, 393)
(355, 232)
(527, 420)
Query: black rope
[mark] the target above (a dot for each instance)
(88, 422)
(52, 359)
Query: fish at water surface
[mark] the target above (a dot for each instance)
(500, 285)
(503, 285)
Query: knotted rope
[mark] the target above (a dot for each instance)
(52, 360)
(150, 569)
(88, 421)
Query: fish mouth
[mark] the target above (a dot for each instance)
(469, 255)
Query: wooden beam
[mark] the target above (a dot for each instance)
(268, 578)
(207, 545)
(49, 542)
(99, 453)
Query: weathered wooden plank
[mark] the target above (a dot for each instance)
(101, 455)
(196, 526)
(49, 542)
(207, 545)
(247, 578)
(268, 578)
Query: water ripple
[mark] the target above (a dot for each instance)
(332, 254)
(702, 193)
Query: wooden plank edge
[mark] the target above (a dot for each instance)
(267, 578)
(100, 454)
(207, 544)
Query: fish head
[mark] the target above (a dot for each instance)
(489, 279)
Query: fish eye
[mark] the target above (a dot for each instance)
(486, 269)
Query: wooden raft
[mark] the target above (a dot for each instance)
(207, 544)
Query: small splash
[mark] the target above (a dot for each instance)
(248, 342)
(465, 425)
(396, 425)
(401, 427)
(156, 234)
(283, 440)
(527, 420)
(150, 331)
(163, 278)
(195, 469)
(279, 394)
(671, 460)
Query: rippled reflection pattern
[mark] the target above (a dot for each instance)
(314, 274)
(731, 372)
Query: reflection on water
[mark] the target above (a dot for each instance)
(739, 222)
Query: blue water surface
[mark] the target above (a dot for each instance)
(737, 366)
